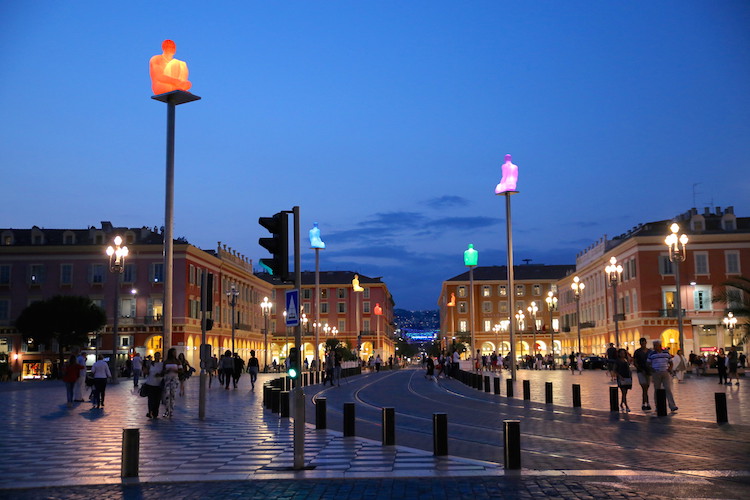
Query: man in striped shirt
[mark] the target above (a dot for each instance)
(661, 372)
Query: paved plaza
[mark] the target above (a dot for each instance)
(76, 452)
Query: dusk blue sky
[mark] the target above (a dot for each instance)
(386, 122)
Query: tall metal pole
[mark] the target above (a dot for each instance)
(578, 320)
(169, 232)
(115, 325)
(298, 392)
(233, 303)
(203, 354)
(678, 303)
(511, 283)
(316, 305)
(617, 323)
(265, 342)
(471, 315)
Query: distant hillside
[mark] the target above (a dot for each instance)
(422, 320)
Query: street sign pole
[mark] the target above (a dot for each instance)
(298, 391)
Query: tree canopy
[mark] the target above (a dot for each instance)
(68, 319)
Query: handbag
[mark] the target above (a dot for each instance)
(626, 381)
(89, 380)
(142, 391)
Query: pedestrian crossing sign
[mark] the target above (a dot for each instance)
(292, 307)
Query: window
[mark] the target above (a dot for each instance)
(6, 344)
(732, 260)
(520, 304)
(668, 298)
(702, 298)
(486, 291)
(128, 274)
(191, 274)
(502, 306)
(486, 306)
(341, 293)
(635, 301)
(306, 293)
(366, 307)
(124, 341)
(734, 298)
(701, 263)
(626, 271)
(323, 293)
(487, 325)
(324, 308)
(157, 272)
(341, 307)
(556, 324)
(36, 274)
(665, 266)
(462, 325)
(729, 225)
(4, 309)
(536, 290)
(66, 274)
(366, 293)
(462, 307)
(127, 308)
(520, 290)
(462, 291)
(502, 291)
(632, 268)
(96, 273)
(342, 325)
(156, 308)
(366, 325)
(69, 238)
(5, 274)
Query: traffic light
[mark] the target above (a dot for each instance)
(277, 245)
(293, 369)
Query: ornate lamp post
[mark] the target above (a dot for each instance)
(677, 255)
(451, 307)
(378, 312)
(730, 322)
(614, 272)
(578, 287)
(265, 306)
(232, 295)
(551, 301)
(471, 258)
(317, 244)
(532, 316)
(496, 329)
(519, 323)
(117, 255)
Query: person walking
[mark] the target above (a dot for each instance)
(337, 368)
(70, 377)
(253, 367)
(378, 362)
(154, 376)
(100, 372)
(211, 367)
(579, 364)
(239, 367)
(171, 371)
(680, 365)
(733, 362)
(643, 371)
(137, 366)
(624, 377)
(330, 361)
(572, 363)
(78, 388)
(661, 372)
(611, 360)
(226, 368)
(721, 366)
(184, 373)
(430, 374)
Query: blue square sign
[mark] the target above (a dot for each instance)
(292, 307)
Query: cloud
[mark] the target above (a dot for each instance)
(447, 201)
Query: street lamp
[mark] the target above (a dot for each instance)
(232, 294)
(729, 323)
(471, 257)
(677, 254)
(519, 323)
(117, 255)
(578, 287)
(265, 306)
(496, 329)
(357, 290)
(551, 301)
(614, 272)
(317, 244)
(532, 316)
(378, 312)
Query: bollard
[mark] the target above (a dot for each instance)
(320, 413)
(284, 404)
(317, 377)
(439, 434)
(548, 393)
(287, 384)
(389, 426)
(131, 442)
(721, 407)
(266, 396)
(304, 380)
(526, 390)
(613, 399)
(512, 435)
(275, 400)
(509, 387)
(497, 386)
(487, 383)
(661, 402)
(348, 419)
(576, 395)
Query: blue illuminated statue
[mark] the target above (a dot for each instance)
(315, 241)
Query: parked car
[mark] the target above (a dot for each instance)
(595, 363)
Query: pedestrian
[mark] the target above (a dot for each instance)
(743, 359)
(680, 365)
(100, 372)
(171, 372)
(378, 362)
(78, 388)
(455, 363)
(611, 360)
(220, 370)
(137, 366)
(624, 377)
(153, 384)
(661, 372)
(579, 363)
(239, 367)
(337, 367)
(226, 368)
(572, 363)
(721, 366)
(330, 365)
(184, 373)
(643, 371)
(733, 361)
(430, 375)
(253, 367)
(70, 377)
(211, 367)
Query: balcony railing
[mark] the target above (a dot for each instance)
(670, 313)
(588, 324)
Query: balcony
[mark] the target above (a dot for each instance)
(670, 313)
(588, 324)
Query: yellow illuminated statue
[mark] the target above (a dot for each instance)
(168, 73)
(355, 284)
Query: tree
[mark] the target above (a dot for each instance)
(341, 349)
(736, 296)
(68, 319)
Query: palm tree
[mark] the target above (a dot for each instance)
(736, 297)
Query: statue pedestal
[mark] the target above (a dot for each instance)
(176, 97)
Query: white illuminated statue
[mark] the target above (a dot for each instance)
(510, 177)
(355, 284)
(315, 241)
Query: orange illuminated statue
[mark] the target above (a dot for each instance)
(168, 73)
(452, 303)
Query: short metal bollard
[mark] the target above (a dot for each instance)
(576, 395)
(509, 387)
(266, 396)
(439, 434)
(497, 386)
(487, 383)
(131, 442)
(722, 416)
(526, 390)
(613, 399)
(661, 402)
(512, 446)
(275, 400)
(284, 404)
(389, 426)
(548, 393)
(320, 413)
(348, 419)
(317, 377)
(304, 379)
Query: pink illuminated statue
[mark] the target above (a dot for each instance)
(168, 73)
(510, 177)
